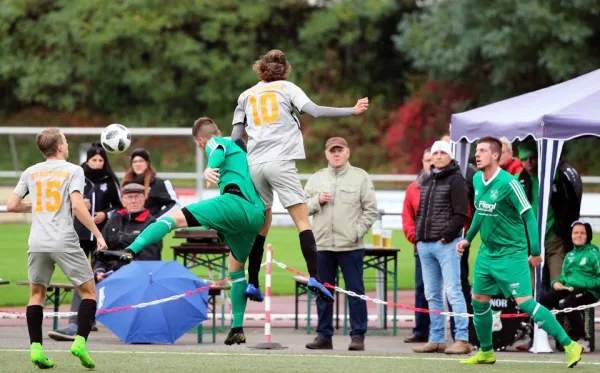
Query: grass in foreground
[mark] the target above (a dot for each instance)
(17, 361)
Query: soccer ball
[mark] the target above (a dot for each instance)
(115, 138)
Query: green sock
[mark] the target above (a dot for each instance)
(153, 233)
(546, 320)
(238, 297)
(483, 320)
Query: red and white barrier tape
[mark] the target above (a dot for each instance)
(15, 314)
(5, 314)
(423, 310)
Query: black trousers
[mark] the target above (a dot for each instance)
(577, 297)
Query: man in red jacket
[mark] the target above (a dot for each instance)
(409, 213)
(509, 163)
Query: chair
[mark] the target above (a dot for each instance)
(588, 320)
(300, 289)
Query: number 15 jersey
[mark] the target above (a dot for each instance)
(50, 184)
(272, 126)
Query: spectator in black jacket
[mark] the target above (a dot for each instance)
(101, 194)
(442, 213)
(159, 194)
(124, 227)
(565, 204)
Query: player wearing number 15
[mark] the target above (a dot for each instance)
(56, 188)
(267, 111)
(508, 230)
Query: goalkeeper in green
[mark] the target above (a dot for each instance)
(237, 214)
(508, 228)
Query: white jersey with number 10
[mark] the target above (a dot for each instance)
(272, 126)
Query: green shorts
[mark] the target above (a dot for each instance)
(508, 274)
(236, 221)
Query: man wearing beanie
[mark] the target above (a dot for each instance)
(443, 210)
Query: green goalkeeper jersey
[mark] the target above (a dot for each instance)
(233, 168)
(500, 202)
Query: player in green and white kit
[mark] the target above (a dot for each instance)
(237, 214)
(508, 229)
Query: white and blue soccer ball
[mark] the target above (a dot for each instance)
(115, 138)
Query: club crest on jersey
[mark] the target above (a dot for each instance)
(489, 207)
(583, 261)
(494, 194)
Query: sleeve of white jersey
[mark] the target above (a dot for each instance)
(296, 95)
(239, 115)
(21, 189)
(77, 183)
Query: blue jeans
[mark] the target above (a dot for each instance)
(421, 328)
(441, 269)
(351, 264)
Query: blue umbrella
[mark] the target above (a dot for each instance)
(147, 281)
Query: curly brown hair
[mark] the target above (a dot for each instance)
(272, 66)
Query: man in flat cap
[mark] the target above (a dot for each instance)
(341, 200)
(123, 228)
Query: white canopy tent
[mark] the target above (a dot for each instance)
(551, 116)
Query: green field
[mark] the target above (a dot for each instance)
(16, 361)
(286, 248)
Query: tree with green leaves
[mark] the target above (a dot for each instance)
(503, 48)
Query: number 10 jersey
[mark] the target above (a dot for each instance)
(272, 125)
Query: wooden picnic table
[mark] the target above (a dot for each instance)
(202, 248)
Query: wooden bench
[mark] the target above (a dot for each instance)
(53, 296)
(213, 293)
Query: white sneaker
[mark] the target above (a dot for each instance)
(585, 344)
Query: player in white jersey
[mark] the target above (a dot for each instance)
(267, 111)
(56, 188)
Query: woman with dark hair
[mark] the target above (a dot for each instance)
(102, 197)
(159, 194)
(101, 194)
(579, 282)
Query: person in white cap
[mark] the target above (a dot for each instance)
(443, 210)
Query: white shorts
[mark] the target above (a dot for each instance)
(75, 265)
(279, 176)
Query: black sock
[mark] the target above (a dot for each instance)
(255, 260)
(86, 316)
(35, 317)
(309, 250)
(237, 329)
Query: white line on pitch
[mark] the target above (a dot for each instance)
(276, 354)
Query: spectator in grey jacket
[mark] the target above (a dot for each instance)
(341, 199)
